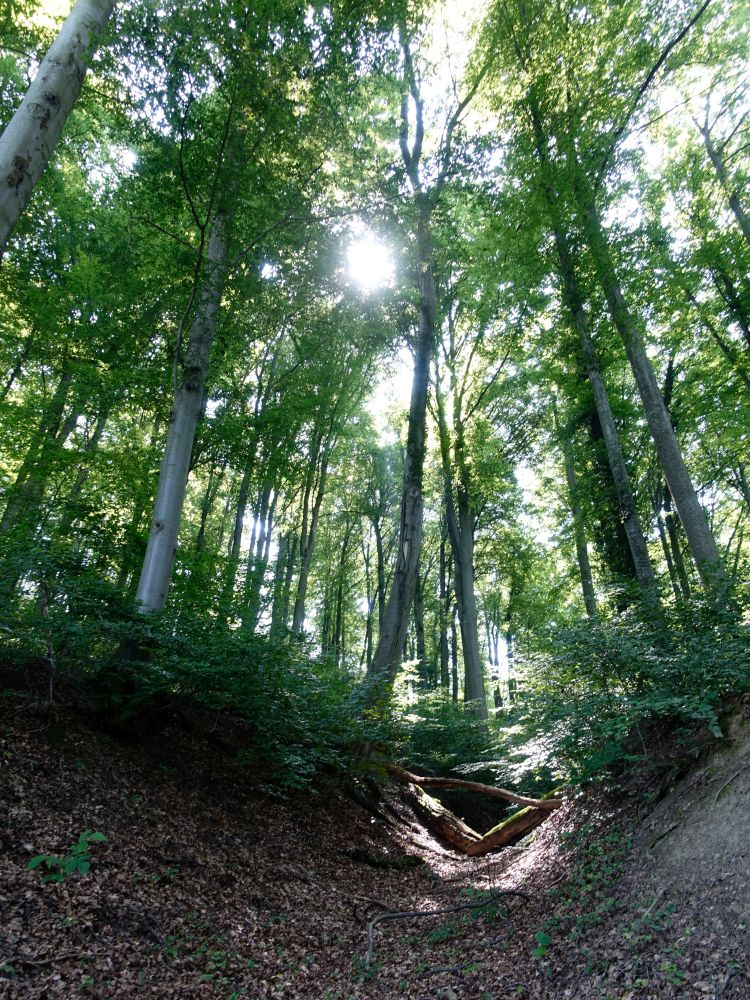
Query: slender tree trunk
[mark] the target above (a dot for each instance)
(717, 160)
(460, 520)
(574, 301)
(693, 518)
(27, 143)
(673, 534)
(66, 522)
(380, 570)
(215, 479)
(444, 599)
(289, 577)
(156, 573)
(454, 656)
(421, 646)
(258, 560)
(665, 547)
(338, 628)
(31, 477)
(17, 367)
(307, 546)
(235, 545)
(582, 554)
(387, 656)
(279, 572)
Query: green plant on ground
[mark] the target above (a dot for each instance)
(542, 944)
(76, 862)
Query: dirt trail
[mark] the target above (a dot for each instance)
(208, 887)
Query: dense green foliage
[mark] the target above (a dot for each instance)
(574, 181)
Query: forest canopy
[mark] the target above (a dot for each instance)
(379, 371)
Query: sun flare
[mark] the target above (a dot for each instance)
(369, 263)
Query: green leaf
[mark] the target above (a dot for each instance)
(40, 859)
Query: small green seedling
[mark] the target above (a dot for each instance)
(542, 944)
(76, 861)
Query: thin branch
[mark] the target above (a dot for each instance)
(647, 81)
(418, 914)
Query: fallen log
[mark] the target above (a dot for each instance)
(442, 822)
(509, 831)
(471, 786)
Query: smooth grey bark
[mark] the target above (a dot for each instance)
(582, 554)
(444, 606)
(257, 559)
(460, 519)
(215, 479)
(310, 518)
(574, 302)
(387, 657)
(419, 637)
(693, 518)
(454, 656)
(29, 138)
(732, 193)
(156, 572)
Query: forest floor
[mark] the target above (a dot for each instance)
(207, 886)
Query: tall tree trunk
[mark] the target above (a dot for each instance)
(235, 545)
(693, 518)
(36, 466)
(460, 521)
(717, 160)
(454, 656)
(380, 555)
(67, 520)
(258, 560)
(307, 546)
(387, 657)
(582, 554)
(421, 647)
(156, 572)
(29, 138)
(574, 302)
(444, 599)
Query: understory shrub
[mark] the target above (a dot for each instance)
(597, 692)
(295, 708)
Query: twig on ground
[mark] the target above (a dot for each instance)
(417, 914)
(728, 782)
(18, 960)
(657, 897)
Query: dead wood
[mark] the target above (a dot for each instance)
(442, 822)
(471, 786)
(418, 914)
(510, 830)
